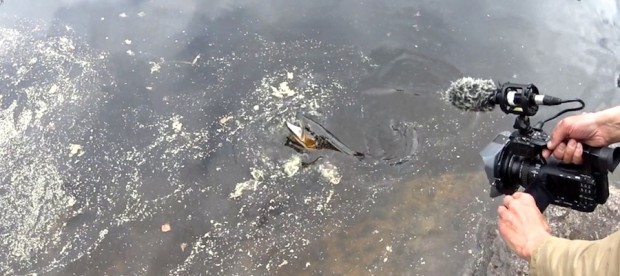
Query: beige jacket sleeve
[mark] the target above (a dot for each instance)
(558, 256)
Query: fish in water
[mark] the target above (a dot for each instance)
(310, 135)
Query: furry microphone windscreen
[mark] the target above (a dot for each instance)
(471, 94)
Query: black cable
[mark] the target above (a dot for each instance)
(542, 123)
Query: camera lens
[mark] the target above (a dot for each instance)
(517, 171)
(506, 167)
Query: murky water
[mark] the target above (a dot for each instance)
(147, 137)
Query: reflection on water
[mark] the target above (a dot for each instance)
(127, 116)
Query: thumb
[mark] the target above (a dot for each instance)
(559, 133)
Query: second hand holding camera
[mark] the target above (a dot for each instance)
(514, 160)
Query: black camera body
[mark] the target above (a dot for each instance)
(514, 160)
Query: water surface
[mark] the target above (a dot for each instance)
(121, 118)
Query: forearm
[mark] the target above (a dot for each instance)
(558, 256)
(609, 120)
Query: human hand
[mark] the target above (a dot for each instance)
(585, 128)
(521, 224)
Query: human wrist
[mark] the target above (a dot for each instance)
(608, 121)
(534, 245)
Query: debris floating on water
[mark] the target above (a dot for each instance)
(225, 119)
(291, 167)
(282, 91)
(165, 227)
(252, 184)
(75, 150)
(330, 173)
(177, 126)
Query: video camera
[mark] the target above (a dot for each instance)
(515, 159)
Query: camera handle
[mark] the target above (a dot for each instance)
(542, 197)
